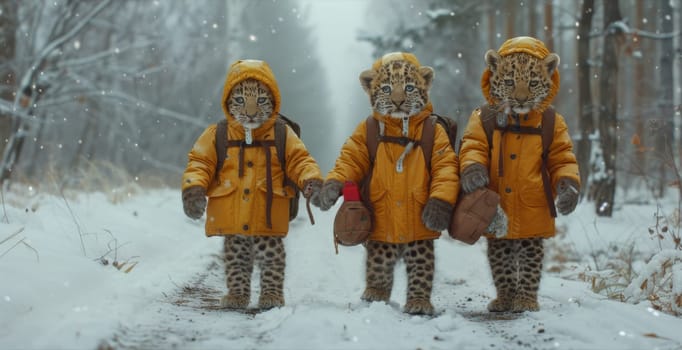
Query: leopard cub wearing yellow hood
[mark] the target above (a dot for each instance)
(411, 203)
(519, 83)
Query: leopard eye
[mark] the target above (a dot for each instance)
(409, 88)
(533, 83)
(261, 100)
(509, 82)
(239, 100)
(386, 89)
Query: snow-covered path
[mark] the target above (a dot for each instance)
(168, 300)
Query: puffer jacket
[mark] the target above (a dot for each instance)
(237, 205)
(398, 198)
(520, 186)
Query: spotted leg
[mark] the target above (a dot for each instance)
(503, 265)
(381, 260)
(271, 258)
(419, 260)
(238, 270)
(530, 253)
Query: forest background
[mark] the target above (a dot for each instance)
(97, 94)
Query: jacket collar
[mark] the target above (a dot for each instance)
(414, 119)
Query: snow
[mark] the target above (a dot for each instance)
(56, 293)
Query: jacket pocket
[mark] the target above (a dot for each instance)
(222, 201)
(279, 212)
(419, 199)
(278, 187)
(533, 197)
(224, 188)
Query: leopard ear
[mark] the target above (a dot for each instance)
(427, 73)
(366, 78)
(492, 58)
(551, 62)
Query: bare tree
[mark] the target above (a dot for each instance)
(97, 77)
(666, 111)
(549, 24)
(8, 29)
(32, 86)
(585, 109)
(605, 186)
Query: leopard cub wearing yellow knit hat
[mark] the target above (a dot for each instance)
(412, 202)
(519, 83)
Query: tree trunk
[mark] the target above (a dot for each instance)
(665, 139)
(8, 47)
(492, 43)
(585, 109)
(549, 25)
(532, 18)
(608, 105)
(510, 15)
(639, 102)
(678, 95)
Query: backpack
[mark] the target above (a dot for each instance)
(353, 221)
(222, 143)
(546, 131)
(426, 142)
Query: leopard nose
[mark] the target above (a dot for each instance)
(251, 108)
(397, 97)
(521, 95)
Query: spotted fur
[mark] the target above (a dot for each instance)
(241, 253)
(251, 102)
(516, 266)
(419, 260)
(398, 88)
(520, 81)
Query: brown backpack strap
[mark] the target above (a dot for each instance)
(281, 148)
(268, 178)
(372, 139)
(220, 146)
(488, 117)
(488, 120)
(372, 143)
(548, 119)
(428, 135)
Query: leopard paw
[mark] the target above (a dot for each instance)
(418, 307)
(375, 294)
(500, 304)
(234, 301)
(525, 304)
(269, 301)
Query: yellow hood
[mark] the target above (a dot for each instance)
(246, 69)
(530, 46)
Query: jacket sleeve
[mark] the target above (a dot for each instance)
(201, 166)
(301, 166)
(474, 147)
(353, 162)
(444, 168)
(562, 161)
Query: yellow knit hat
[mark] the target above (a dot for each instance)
(396, 56)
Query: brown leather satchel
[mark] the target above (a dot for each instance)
(473, 214)
(353, 221)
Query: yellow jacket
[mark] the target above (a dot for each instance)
(521, 188)
(398, 198)
(238, 205)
